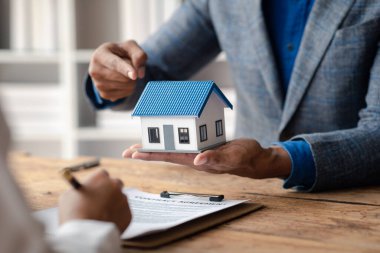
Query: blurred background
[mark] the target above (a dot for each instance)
(45, 48)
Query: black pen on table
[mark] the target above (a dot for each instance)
(71, 179)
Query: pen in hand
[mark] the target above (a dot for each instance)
(71, 179)
(83, 165)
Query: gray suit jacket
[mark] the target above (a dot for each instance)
(333, 99)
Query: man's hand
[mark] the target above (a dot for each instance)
(241, 157)
(114, 69)
(100, 198)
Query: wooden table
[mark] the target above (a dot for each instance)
(339, 221)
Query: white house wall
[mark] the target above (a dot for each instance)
(213, 111)
(187, 122)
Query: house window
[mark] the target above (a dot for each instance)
(203, 133)
(154, 135)
(183, 135)
(219, 128)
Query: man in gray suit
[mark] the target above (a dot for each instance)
(307, 77)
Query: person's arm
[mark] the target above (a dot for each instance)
(350, 157)
(93, 216)
(342, 158)
(101, 199)
(242, 157)
(290, 160)
(86, 236)
(181, 47)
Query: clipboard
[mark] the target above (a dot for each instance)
(191, 227)
(142, 237)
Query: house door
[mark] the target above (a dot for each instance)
(169, 137)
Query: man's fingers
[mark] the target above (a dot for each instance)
(102, 173)
(225, 156)
(97, 175)
(210, 165)
(213, 158)
(126, 58)
(129, 151)
(115, 94)
(184, 159)
(141, 72)
(136, 54)
(118, 182)
(99, 72)
(123, 66)
(109, 86)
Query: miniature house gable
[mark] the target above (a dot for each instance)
(181, 116)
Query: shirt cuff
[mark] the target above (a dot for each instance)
(87, 236)
(303, 172)
(97, 101)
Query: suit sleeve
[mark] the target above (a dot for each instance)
(180, 48)
(351, 157)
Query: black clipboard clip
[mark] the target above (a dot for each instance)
(211, 197)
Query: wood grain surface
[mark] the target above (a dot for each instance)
(339, 221)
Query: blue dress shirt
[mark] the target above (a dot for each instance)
(285, 20)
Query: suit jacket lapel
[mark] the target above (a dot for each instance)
(324, 19)
(263, 50)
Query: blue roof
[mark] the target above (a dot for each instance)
(176, 98)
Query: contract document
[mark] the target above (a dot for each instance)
(152, 215)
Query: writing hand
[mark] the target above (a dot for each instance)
(242, 157)
(99, 198)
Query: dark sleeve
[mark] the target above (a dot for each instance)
(96, 100)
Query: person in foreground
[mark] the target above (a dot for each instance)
(307, 77)
(91, 218)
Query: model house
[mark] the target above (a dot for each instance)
(181, 116)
